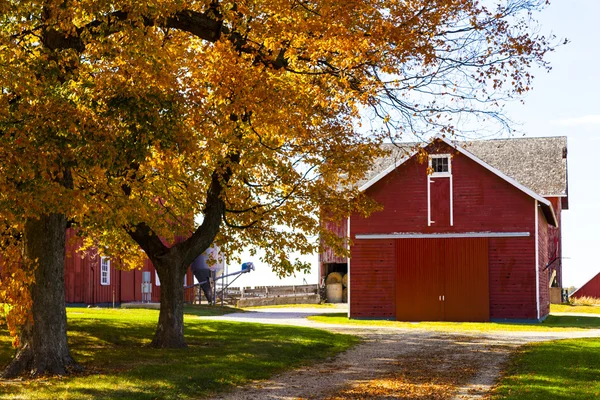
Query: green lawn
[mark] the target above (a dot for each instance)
(567, 308)
(562, 369)
(221, 355)
(205, 310)
(553, 322)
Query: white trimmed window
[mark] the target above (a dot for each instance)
(440, 164)
(185, 280)
(156, 279)
(104, 271)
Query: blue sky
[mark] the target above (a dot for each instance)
(564, 102)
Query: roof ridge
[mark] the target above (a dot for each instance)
(478, 140)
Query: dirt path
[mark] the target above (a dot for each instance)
(393, 363)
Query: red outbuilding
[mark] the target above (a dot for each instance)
(92, 279)
(590, 289)
(469, 232)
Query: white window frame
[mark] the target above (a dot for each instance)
(185, 279)
(104, 271)
(156, 278)
(440, 174)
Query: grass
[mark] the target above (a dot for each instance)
(110, 343)
(209, 311)
(552, 323)
(568, 308)
(562, 369)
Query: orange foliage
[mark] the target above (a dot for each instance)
(107, 106)
(15, 280)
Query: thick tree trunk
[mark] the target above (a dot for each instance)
(172, 263)
(44, 349)
(169, 331)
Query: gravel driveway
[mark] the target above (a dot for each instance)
(392, 363)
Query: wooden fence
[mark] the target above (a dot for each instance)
(271, 295)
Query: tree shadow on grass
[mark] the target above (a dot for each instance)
(568, 321)
(220, 356)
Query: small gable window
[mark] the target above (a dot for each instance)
(440, 164)
(104, 271)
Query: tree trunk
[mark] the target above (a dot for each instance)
(169, 331)
(43, 348)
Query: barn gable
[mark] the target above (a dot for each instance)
(539, 162)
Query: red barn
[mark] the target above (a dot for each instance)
(590, 289)
(472, 233)
(91, 279)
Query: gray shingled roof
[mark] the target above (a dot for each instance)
(537, 163)
(397, 153)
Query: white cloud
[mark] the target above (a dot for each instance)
(585, 120)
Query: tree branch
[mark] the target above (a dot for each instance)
(214, 211)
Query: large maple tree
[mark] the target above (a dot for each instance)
(127, 120)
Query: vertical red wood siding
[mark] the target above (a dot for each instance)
(126, 291)
(440, 202)
(590, 289)
(544, 273)
(106, 293)
(512, 277)
(341, 230)
(80, 285)
(189, 295)
(373, 279)
(75, 266)
(555, 240)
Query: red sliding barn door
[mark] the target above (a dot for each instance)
(466, 282)
(420, 282)
(442, 279)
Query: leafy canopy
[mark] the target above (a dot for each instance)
(255, 114)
